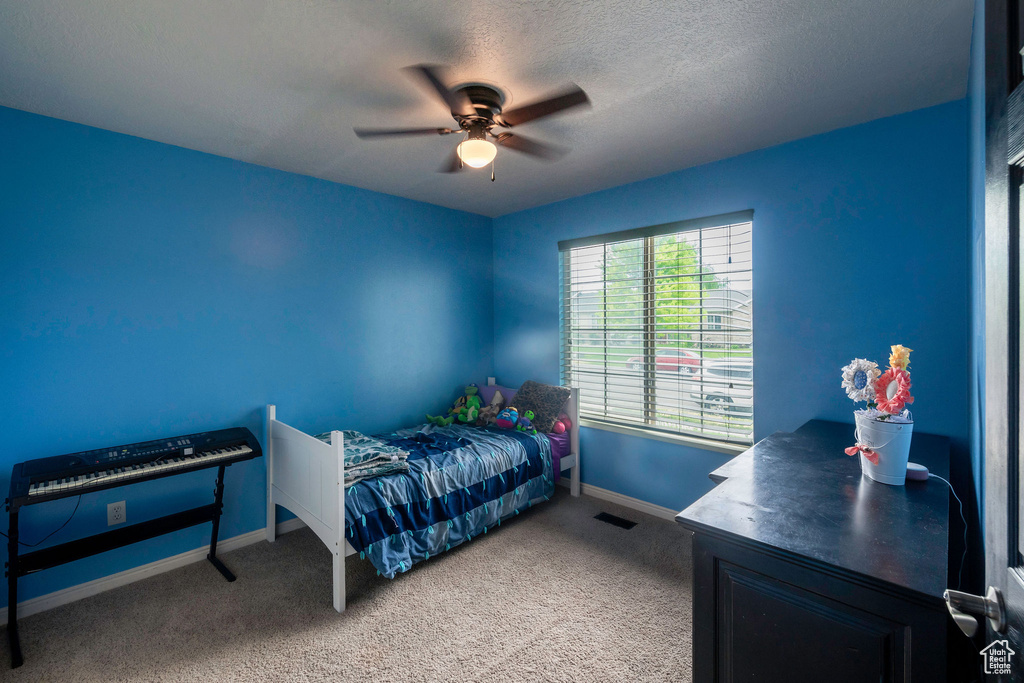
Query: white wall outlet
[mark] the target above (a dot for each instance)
(116, 513)
(491, 382)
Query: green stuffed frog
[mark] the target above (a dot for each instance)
(471, 408)
(525, 422)
(440, 421)
(465, 409)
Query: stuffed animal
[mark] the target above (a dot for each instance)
(457, 407)
(489, 414)
(440, 421)
(562, 424)
(471, 407)
(464, 409)
(525, 423)
(507, 418)
(466, 405)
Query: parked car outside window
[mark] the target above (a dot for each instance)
(724, 385)
(675, 360)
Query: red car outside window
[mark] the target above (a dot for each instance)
(672, 360)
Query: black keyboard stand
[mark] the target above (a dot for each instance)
(45, 558)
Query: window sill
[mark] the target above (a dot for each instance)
(679, 439)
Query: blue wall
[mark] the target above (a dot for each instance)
(976, 203)
(151, 291)
(860, 242)
(975, 500)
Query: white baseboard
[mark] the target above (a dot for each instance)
(625, 501)
(106, 583)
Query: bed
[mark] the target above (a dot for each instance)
(462, 481)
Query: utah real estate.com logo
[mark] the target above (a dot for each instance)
(997, 657)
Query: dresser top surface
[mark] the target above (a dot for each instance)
(801, 494)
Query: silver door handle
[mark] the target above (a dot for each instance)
(964, 607)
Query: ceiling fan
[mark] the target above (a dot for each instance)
(478, 111)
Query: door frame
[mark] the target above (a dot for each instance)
(1002, 313)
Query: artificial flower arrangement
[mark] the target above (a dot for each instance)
(886, 394)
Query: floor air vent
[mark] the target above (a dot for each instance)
(617, 521)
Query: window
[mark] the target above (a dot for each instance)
(656, 327)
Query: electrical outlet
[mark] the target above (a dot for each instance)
(116, 513)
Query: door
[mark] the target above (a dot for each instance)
(1004, 468)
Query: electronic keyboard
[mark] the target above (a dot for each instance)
(45, 479)
(70, 475)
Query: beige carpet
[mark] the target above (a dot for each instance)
(554, 595)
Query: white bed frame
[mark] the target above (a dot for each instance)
(306, 476)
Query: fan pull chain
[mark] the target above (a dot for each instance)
(492, 169)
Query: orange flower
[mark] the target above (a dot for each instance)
(892, 391)
(900, 357)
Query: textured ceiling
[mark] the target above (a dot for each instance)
(281, 83)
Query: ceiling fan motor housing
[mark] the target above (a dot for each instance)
(476, 129)
(486, 100)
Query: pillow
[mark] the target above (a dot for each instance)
(487, 393)
(544, 400)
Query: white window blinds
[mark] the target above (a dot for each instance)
(656, 327)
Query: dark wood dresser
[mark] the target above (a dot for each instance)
(806, 571)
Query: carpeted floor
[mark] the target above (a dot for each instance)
(554, 595)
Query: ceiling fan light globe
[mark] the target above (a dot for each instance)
(476, 153)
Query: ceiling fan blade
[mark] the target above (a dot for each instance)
(383, 132)
(573, 97)
(453, 164)
(531, 147)
(458, 102)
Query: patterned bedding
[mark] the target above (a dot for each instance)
(367, 457)
(462, 481)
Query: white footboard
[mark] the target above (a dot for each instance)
(306, 476)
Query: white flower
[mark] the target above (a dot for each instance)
(859, 379)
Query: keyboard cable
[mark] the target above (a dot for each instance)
(33, 545)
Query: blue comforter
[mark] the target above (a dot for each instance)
(462, 481)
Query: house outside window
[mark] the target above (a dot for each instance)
(656, 329)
